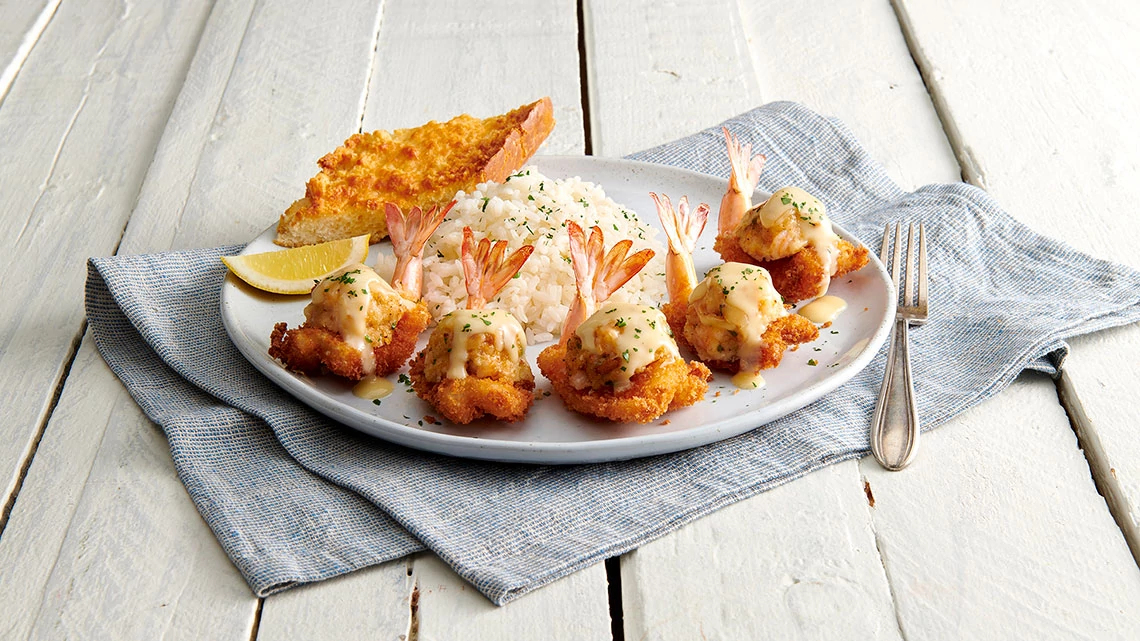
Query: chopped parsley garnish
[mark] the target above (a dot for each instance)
(345, 278)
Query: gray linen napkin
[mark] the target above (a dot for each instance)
(294, 497)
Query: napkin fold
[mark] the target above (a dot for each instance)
(294, 497)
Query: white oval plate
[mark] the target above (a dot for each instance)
(550, 433)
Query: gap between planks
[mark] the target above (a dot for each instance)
(879, 554)
(612, 564)
(256, 626)
(371, 66)
(41, 427)
(970, 171)
(583, 76)
(1103, 476)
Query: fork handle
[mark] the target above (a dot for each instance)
(894, 427)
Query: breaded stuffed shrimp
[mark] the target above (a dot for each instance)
(475, 360)
(617, 361)
(790, 234)
(733, 320)
(358, 325)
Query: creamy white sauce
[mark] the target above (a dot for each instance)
(814, 225)
(823, 309)
(748, 380)
(750, 304)
(341, 303)
(638, 332)
(373, 387)
(506, 331)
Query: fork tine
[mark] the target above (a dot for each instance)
(898, 257)
(922, 273)
(886, 244)
(910, 263)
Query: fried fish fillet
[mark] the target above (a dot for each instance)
(422, 166)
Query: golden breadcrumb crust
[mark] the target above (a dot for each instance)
(314, 350)
(496, 384)
(796, 277)
(463, 400)
(661, 386)
(780, 334)
(422, 166)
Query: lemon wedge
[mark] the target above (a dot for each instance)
(292, 271)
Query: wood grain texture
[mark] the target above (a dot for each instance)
(1041, 105)
(154, 224)
(22, 26)
(574, 607)
(155, 560)
(995, 560)
(660, 71)
(86, 111)
(438, 59)
(849, 60)
(294, 93)
(82, 550)
(374, 603)
(799, 562)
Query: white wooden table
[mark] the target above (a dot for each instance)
(159, 125)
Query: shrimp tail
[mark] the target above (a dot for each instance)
(597, 274)
(682, 228)
(745, 174)
(485, 270)
(410, 232)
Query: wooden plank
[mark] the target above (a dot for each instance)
(100, 500)
(798, 563)
(868, 80)
(1062, 151)
(658, 72)
(851, 62)
(294, 93)
(983, 545)
(575, 607)
(442, 58)
(22, 26)
(85, 113)
(374, 603)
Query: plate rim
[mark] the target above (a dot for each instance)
(565, 452)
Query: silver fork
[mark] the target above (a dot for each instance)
(895, 426)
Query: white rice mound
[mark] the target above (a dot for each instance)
(529, 208)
